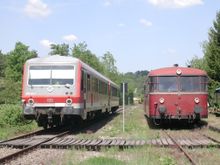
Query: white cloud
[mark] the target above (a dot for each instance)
(107, 3)
(70, 37)
(121, 25)
(36, 8)
(175, 3)
(145, 22)
(46, 43)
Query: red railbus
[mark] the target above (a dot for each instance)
(176, 93)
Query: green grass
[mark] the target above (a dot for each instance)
(11, 131)
(12, 122)
(136, 127)
(102, 161)
(113, 156)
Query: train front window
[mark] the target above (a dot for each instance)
(51, 75)
(167, 84)
(193, 84)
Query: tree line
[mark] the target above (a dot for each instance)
(11, 66)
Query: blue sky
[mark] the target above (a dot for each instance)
(141, 34)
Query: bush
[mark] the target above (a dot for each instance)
(11, 115)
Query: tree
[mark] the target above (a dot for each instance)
(16, 60)
(83, 53)
(60, 49)
(197, 62)
(212, 50)
(110, 70)
(2, 64)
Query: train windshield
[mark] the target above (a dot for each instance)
(51, 75)
(167, 84)
(193, 83)
(174, 84)
(163, 84)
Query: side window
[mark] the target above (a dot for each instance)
(100, 86)
(82, 80)
(152, 84)
(88, 82)
(146, 86)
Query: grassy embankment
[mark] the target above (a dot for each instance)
(12, 123)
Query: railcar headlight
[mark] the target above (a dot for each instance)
(69, 101)
(196, 100)
(161, 100)
(178, 72)
(31, 101)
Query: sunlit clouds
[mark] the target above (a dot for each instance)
(46, 43)
(175, 3)
(70, 38)
(36, 9)
(145, 22)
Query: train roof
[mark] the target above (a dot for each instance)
(52, 59)
(168, 71)
(67, 60)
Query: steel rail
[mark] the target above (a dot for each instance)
(211, 138)
(23, 136)
(181, 149)
(8, 158)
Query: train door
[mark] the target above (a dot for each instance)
(84, 87)
(109, 96)
(88, 96)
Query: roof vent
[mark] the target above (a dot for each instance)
(175, 65)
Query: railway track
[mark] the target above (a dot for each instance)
(71, 142)
(29, 148)
(35, 140)
(24, 135)
(178, 145)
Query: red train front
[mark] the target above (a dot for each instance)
(58, 90)
(176, 93)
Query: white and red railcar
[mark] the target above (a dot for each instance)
(176, 93)
(57, 89)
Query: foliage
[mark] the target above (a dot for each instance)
(12, 122)
(211, 88)
(110, 69)
(135, 82)
(59, 49)
(10, 92)
(83, 53)
(212, 50)
(16, 60)
(10, 84)
(2, 64)
(11, 114)
(197, 62)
